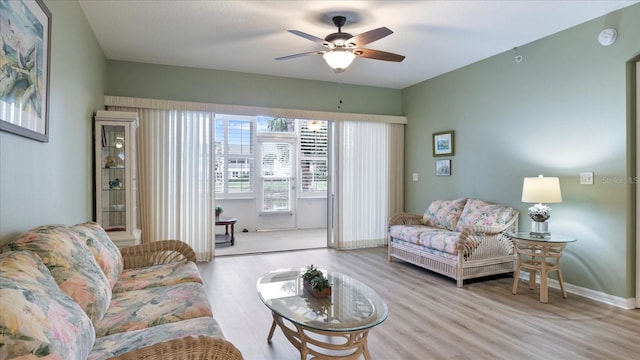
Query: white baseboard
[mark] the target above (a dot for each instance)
(587, 293)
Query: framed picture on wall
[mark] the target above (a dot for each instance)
(443, 167)
(25, 29)
(443, 144)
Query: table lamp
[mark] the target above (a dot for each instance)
(540, 190)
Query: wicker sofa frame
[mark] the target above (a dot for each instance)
(202, 347)
(482, 250)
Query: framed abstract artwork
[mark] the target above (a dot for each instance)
(25, 29)
(443, 143)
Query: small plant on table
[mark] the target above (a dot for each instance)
(315, 282)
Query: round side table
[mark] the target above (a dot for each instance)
(539, 254)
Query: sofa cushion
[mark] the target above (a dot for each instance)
(444, 213)
(478, 212)
(139, 309)
(158, 275)
(428, 237)
(113, 345)
(442, 240)
(409, 233)
(71, 264)
(37, 319)
(105, 252)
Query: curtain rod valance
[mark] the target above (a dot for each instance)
(249, 110)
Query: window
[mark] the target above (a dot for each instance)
(234, 174)
(235, 162)
(313, 158)
(280, 126)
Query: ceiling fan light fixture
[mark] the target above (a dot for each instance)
(339, 59)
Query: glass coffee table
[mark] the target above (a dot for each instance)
(334, 327)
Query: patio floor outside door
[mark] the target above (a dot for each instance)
(272, 241)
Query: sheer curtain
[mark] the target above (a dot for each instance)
(369, 185)
(175, 185)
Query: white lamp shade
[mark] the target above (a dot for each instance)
(339, 59)
(541, 190)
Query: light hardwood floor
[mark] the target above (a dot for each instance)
(429, 317)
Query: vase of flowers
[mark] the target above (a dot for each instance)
(219, 211)
(539, 212)
(316, 282)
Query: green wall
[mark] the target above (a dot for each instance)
(225, 87)
(559, 112)
(43, 183)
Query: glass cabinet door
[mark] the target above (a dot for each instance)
(113, 178)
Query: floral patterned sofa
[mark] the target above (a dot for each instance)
(460, 238)
(68, 293)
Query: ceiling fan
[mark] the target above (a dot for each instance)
(343, 47)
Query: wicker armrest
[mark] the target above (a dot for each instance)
(472, 235)
(403, 218)
(202, 347)
(157, 252)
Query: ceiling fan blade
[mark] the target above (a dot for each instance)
(300, 55)
(378, 55)
(308, 37)
(370, 36)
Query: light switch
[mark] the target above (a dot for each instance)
(586, 178)
(415, 176)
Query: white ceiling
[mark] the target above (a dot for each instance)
(435, 36)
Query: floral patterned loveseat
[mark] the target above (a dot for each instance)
(67, 292)
(460, 238)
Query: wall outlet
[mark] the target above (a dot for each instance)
(415, 176)
(586, 178)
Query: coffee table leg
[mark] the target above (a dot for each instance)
(353, 342)
(365, 352)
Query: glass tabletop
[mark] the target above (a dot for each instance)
(525, 235)
(352, 305)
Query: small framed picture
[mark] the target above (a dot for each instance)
(443, 143)
(443, 167)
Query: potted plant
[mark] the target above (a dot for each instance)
(315, 282)
(219, 211)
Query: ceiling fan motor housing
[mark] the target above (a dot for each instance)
(338, 39)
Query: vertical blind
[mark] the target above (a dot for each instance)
(370, 181)
(175, 177)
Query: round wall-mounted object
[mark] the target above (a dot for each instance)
(607, 36)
